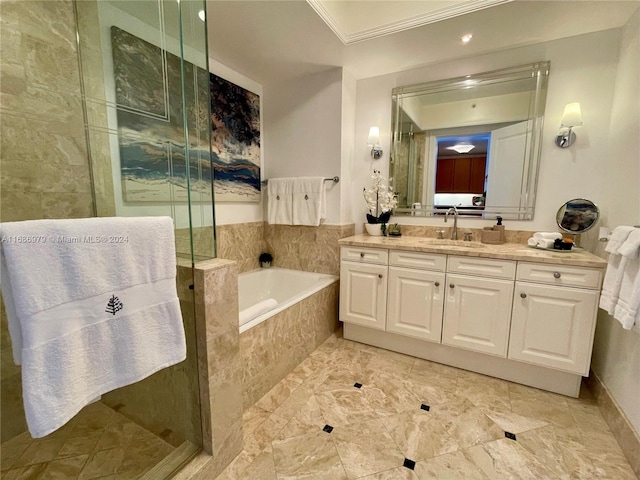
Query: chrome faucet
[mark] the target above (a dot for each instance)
(454, 231)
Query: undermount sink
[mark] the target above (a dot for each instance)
(438, 242)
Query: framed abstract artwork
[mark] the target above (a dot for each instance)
(221, 137)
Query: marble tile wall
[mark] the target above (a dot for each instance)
(311, 249)
(242, 242)
(272, 349)
(45, 173)
(167, 402)
(216, 300)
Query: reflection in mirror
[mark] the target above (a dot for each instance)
(577, 215)
(472, 142)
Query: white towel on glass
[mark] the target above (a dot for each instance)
(309, 201)
(280, 201)
(93, 306)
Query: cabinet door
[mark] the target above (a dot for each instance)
(415, 303)
(477, 314)
(553, 326)
(363, 294)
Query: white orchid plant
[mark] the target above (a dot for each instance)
(379, 199)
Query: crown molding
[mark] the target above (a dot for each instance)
(401, 25)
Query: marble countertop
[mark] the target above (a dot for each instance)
(506, 251)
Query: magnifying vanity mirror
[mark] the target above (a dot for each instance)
(577, 216)
(472, 142)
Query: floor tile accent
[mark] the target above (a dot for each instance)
(410, 464)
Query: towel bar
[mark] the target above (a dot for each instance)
(335, 179)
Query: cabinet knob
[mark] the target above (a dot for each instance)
(379, 275)
(362, 255)
(556, 274)
(451, 285)
(437, 284)
(523, 295)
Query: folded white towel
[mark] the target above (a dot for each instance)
(532, 242)
(546, 236)
(618, 237)
(628, 307)
(612, 283)
(545, 243)
(280, 201)
(259, 308)
(631, 246)
(94, 307)
(309, 200)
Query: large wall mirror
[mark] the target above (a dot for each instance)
(472, 142)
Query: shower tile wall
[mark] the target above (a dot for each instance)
(45, 173)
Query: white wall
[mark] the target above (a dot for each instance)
(583, 69)
(303, 125)
(616, 354)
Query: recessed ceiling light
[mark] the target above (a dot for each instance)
(466, 38)
(201, 15)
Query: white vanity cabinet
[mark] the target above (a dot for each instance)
(477, 311)
(363, 287)
(554, 316)
(416, 294)
(506, 311)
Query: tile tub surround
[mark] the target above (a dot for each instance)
(382, 423)
(242, 242)
(219, 362)
(506, 251)
(273, 348)
(310, 249)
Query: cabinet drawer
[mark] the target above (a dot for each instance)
(365, 255)
(424, 261)
(487, 267)
(560, 275)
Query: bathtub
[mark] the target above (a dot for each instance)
(274, 343)
(287, 287)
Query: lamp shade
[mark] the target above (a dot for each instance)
(572, 116)
(374, 136)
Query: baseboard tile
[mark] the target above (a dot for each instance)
(617, 421)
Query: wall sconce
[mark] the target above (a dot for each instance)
(374, 142)
(572, 117)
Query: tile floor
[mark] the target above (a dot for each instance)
(352, 411)
(97, 443)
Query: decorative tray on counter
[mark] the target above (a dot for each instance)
(557, 250)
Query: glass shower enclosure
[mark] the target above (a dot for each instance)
(134, 79)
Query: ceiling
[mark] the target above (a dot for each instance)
(275, 40)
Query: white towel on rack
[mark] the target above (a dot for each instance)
(627, 310)
(93, 307)
(612, 282)
(618, 237)
(309, 200)
(280, 201)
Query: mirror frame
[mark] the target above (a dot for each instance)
(537, 70)
(562, 211)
